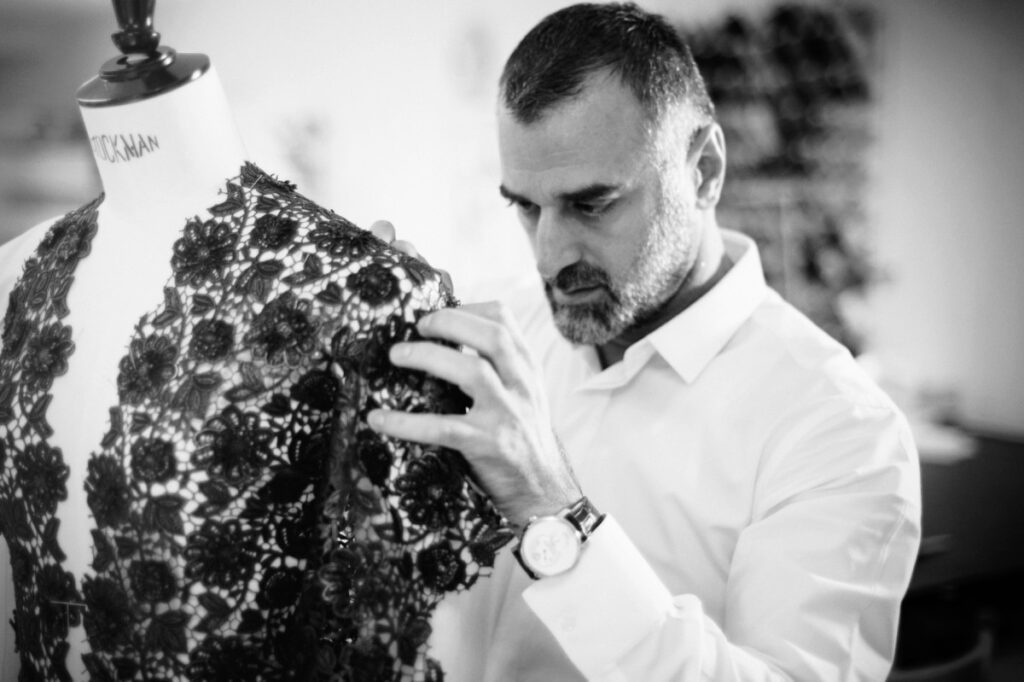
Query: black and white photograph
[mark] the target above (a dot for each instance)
(534, 341)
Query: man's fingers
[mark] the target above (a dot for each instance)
(492, 310)
(448, 431)
(383, 230)
(495, 338)
(408, 249)
(472, 374)
(499, 314)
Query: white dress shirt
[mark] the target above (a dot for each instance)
(763, 504)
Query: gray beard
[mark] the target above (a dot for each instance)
(623, 306)
(590, 323)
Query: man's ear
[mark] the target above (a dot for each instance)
(709, 172)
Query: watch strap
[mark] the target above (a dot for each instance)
(584, 516)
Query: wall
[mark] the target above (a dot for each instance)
(948, 205)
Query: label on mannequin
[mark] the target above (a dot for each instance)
(121, 148)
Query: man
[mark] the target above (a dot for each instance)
(752, 499)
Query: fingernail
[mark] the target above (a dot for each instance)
(375, 419)
(399, 351)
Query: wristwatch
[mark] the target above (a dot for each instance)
(551, 545)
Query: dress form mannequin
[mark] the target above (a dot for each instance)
(161, 150)
(190, 486)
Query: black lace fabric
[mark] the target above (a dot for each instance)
(248, 524)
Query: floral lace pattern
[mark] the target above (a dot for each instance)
(249, 525)
(33, 475)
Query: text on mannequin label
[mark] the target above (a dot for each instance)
(123, 148)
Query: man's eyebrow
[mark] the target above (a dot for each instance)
(512, 196)
(589, 193)
(585, 194)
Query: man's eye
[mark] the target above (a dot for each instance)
(593, 209)
(524, 207)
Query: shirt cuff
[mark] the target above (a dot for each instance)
(605, 605)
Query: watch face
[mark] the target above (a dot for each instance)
(550, 546)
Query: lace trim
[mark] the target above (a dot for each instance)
(33, 475)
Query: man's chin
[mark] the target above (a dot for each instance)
(584, 326)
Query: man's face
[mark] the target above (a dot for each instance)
(607, 205)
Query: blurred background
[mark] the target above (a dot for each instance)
(875, 154)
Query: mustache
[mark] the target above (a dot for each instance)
(579, 275)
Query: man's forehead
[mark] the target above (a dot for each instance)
(569, 153)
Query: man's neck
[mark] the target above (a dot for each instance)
(704, 275)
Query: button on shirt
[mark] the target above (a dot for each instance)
(763, 504)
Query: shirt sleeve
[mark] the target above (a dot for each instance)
(815, 582)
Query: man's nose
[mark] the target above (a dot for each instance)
(555, 244)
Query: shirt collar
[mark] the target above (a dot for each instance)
(689, 341)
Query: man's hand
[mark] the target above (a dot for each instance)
(506, 436)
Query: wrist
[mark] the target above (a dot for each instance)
(548, 505)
